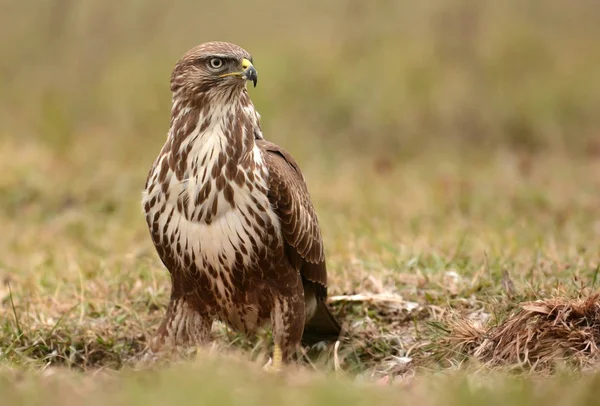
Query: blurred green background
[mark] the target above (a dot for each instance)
(389, 77)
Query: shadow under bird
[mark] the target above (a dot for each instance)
(231, 217)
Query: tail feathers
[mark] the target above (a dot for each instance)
(321, 327)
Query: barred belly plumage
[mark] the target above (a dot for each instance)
(218, 241)
(222, 254)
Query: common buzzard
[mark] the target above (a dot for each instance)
(230, 215)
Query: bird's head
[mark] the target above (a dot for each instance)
(212, 67)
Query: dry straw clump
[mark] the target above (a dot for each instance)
(537, 335)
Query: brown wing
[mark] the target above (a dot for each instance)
(290, 199)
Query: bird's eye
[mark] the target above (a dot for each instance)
(216, 63)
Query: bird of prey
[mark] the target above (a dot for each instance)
(230, 215)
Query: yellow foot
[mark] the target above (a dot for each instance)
(274, 364)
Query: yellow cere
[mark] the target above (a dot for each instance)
(246, 64)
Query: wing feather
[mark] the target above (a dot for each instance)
(291, 201)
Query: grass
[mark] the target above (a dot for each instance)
(208, 383)
(451, 152)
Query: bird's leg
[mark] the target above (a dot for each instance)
(287, 320)
(277, 358)
(183, 325)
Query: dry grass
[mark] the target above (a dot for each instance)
(537, 336)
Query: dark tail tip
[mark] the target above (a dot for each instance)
(321, 327)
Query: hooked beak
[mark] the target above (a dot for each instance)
(248, 72)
